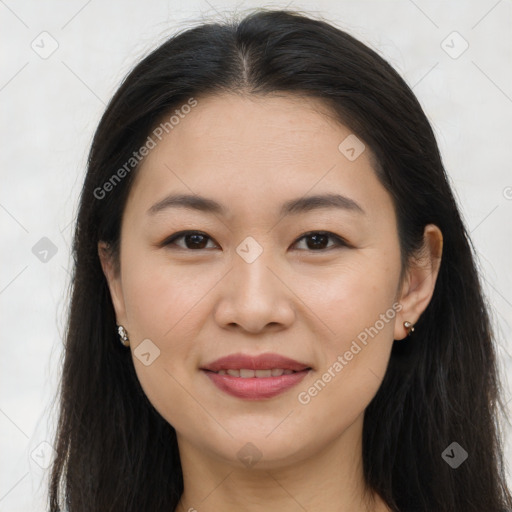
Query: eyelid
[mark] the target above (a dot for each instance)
(339, 241)
(180, 234)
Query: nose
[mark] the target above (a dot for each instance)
(255, 297)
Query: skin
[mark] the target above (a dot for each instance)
(252, 154)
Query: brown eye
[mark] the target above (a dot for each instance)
(193, 240)
(315, 241)
(319, 240)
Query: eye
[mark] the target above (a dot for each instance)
(314, 240)
(318, 240)
(192, 240)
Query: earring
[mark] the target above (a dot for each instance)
(409, 327)
(123, 336)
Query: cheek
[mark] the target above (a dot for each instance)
(352, 296)
(354, 359)
(357, 306)
(160, 298)
(163, 304)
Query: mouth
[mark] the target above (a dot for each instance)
(255, 377)
(246, 373)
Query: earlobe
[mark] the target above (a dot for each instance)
(113, 277)
(420, 280)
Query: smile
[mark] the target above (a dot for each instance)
(248, 374)
(255, 377)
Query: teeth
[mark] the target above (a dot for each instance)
(263, 373)
(248, 374)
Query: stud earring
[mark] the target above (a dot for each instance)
(123, 336)
(409, 327)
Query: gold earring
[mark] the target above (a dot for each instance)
(123, 336)
(409, 327)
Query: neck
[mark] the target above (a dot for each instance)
(330, 480)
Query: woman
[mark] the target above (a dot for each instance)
(275, 303)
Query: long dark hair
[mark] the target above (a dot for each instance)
(114, 450)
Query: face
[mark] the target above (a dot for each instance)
(302, 294)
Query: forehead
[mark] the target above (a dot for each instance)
(264, 126)
(253, 150)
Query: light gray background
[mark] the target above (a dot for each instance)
(51, 106)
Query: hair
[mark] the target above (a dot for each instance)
(115, 452)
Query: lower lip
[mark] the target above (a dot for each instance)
(255, 388)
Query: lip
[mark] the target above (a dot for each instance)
(255, 388)
(259, 362)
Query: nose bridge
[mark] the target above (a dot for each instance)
(254, 296)
(251, 272)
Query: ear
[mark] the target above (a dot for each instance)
(420, 279)
(113, 276)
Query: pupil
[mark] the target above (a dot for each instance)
(318, 241)
(196, 239)
(316, 238)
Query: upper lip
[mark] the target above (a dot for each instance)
(257, 362)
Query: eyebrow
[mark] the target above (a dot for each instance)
(291, 207)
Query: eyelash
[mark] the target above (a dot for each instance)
(338, 241)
